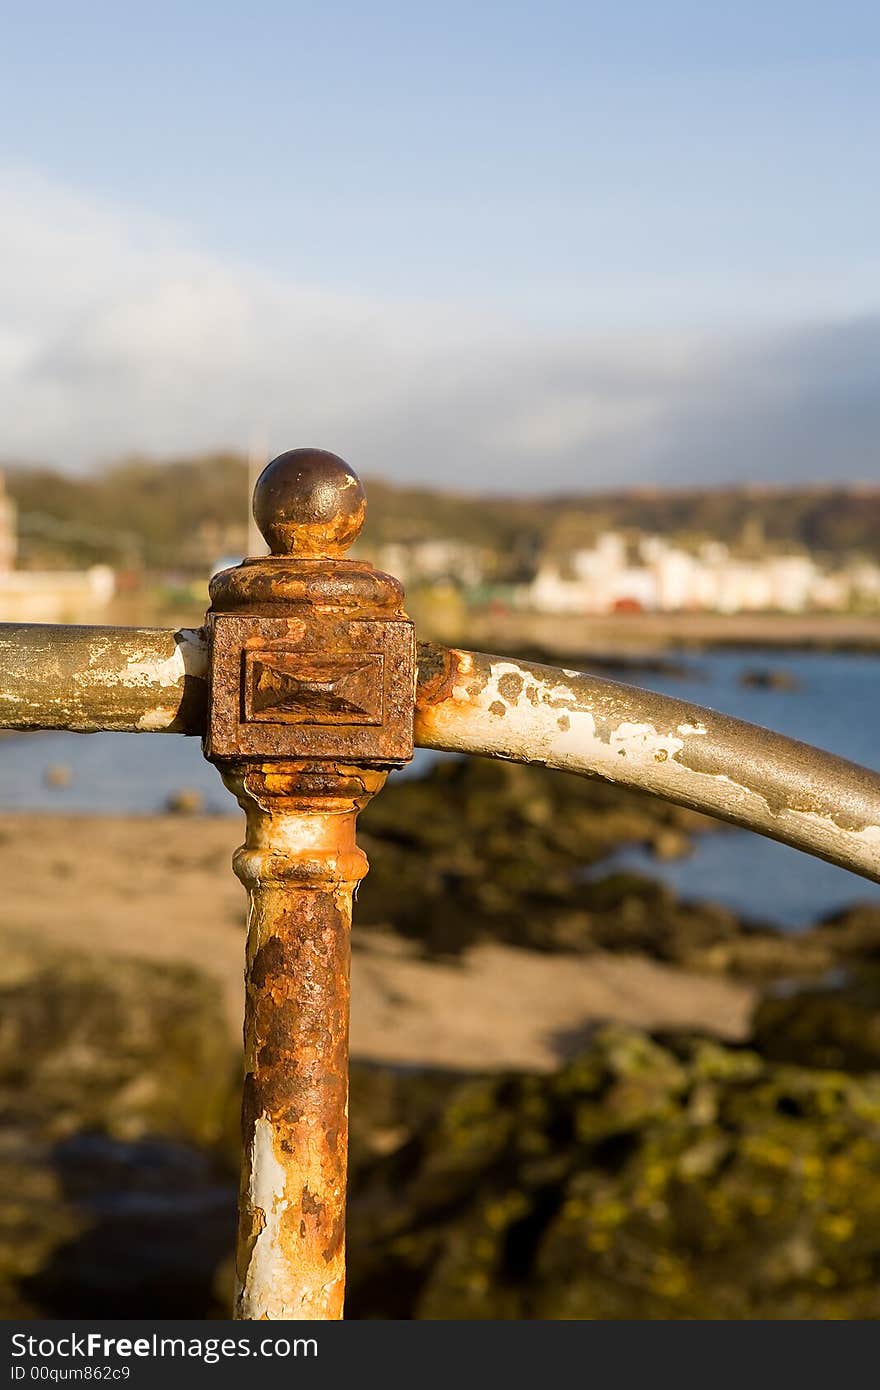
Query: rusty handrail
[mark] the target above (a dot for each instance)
(305, 687)
(131, 680)
(136, 680)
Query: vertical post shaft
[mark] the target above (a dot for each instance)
(300, 865)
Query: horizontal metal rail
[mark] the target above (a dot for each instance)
(154, 680)
(126, 679)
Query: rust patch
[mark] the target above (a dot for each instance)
(510, 686)
(343, 689)
(309, 502)
(310, 1204)
(437, 672)
(335, 1248)
(312, 654)
(552, 701)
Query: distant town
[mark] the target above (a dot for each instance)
(70, 546)
(645, 573)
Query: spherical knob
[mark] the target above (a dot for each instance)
(309, 503)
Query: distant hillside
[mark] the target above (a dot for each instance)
(189, 512)
(137, 512)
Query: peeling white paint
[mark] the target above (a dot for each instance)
(826, 834)
(145, 670)
(155, 721)
(643, 740)
(535, 722)
(263, 1290)
(195, 652)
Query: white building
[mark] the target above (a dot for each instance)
(670, 579)
(550, 592)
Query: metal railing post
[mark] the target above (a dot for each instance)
(304, 687)
(312, 692)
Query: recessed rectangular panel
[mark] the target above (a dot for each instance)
(296, 687)
(340, 691)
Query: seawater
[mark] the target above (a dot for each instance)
(832, 706)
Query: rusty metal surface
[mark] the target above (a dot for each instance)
(470, 702)
(312, 692)
(308, 502)
(312, 654)
(311, 683)
(349, 586)
(133, 680)
(315, 686)
(300, 864)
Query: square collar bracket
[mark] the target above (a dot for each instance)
(312, 654)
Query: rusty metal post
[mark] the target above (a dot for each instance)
(312, 694)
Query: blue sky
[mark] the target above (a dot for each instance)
(586, 230)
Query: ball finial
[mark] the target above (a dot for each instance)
(308, 503)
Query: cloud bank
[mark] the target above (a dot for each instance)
(117, 336)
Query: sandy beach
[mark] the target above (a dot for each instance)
(161, 888)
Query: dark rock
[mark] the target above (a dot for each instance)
(119, 1100)
(480, 850)
(122, 1045)
(769, 678)
(851, 935)
(643, 1181)
(836, 1027)
(156, 1218)
(491, 851)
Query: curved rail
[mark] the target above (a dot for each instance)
(468, 702)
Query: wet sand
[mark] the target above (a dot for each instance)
(161, 888)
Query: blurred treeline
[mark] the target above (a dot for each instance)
(144, 513)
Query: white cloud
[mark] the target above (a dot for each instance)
(116, 335)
